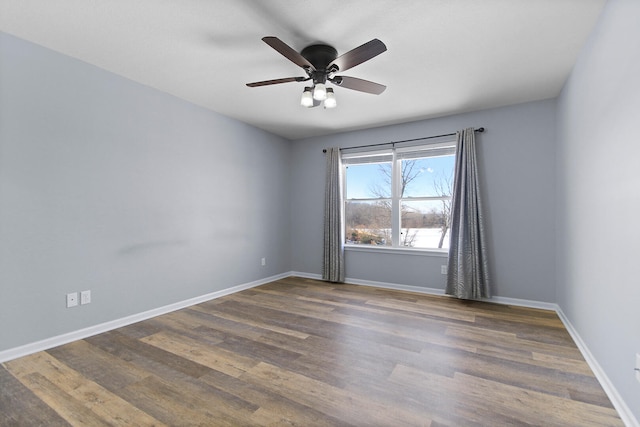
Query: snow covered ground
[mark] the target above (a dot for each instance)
(426, 238)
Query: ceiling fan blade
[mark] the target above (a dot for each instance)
(277, 81)
(359, 55)
(287, 52)
(358, 84)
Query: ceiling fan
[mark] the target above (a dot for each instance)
(321, 63)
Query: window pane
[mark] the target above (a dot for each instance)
(425, 224)
(368, 181)
(427, 176)
(368, 223)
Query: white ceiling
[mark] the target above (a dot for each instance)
(443, 57)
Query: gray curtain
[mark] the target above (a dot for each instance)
(467, 273)
(333, 259)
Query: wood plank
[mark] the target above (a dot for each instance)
(274, 409)
(349, 406)
(97, 365)
(518, 373)
(213, 357)
(262, 324)
(69, 408)
(73, 396)
(146, 354)
(175, 406)
(509, 342)
(19, 406)
(331, 325)
(485, 400)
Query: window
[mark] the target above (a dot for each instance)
(399, 197)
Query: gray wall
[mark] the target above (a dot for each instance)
(111, 186)
(598, 203)
(517, 161)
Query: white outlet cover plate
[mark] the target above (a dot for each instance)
(72, 299)
(85, 297)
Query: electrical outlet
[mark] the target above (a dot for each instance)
(443, 269)
(72, 299)
(85, 297)
(638, 366)
(264, 262)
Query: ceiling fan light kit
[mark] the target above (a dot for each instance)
(321, 62)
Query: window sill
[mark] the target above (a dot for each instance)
(440, 253)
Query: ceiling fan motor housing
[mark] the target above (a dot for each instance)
(320, 55)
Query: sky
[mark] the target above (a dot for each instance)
(362, 179)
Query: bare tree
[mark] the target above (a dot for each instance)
(409, 172)
(375, 221)
(444, 188)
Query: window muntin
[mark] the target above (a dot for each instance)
(399, 197)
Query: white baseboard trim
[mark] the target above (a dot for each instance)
(25, 350)
(372, 283)
(306, 275)
(395, 286)
(523, 303)
(623, 410)
(434, 291)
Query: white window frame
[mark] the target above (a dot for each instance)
(441, 146)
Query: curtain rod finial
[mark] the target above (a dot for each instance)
(480, 130)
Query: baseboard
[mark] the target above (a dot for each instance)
(623, 410)
(434, 291)
(395, 286)
(523, 303)
(306, 275)
(385, 285)
(14, 353)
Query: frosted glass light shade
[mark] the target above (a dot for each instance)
(307, 98)
(320, 92)
(330, 102)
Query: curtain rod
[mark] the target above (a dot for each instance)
(404, 140)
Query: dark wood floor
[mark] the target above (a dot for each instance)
(299, 352)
